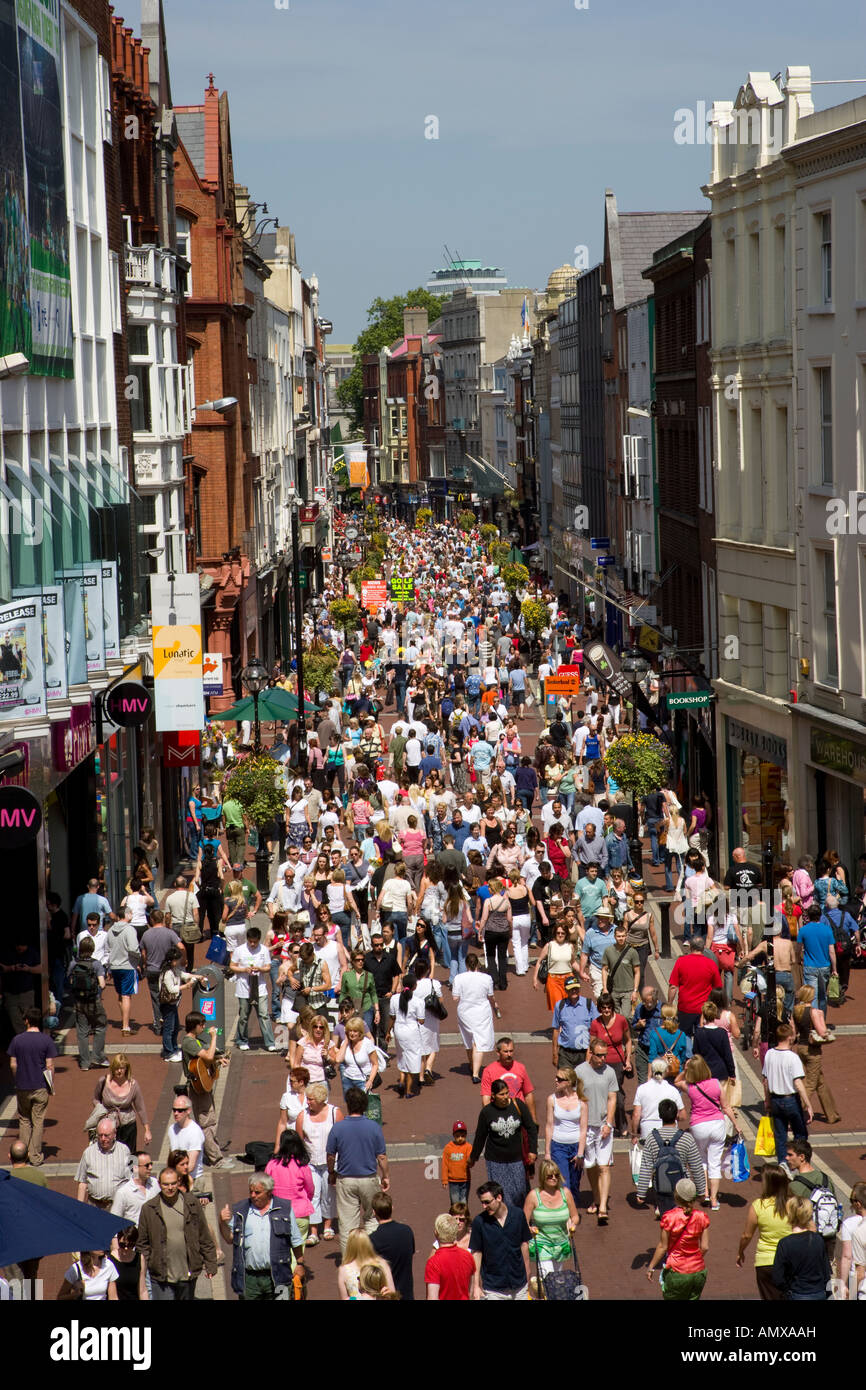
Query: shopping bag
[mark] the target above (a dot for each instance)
(636, 1160)
(765, 1143)
(218, 950)
(739, 1162)
(833, 989)
(374, 1108)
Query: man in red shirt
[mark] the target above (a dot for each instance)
(449, 1270)
(514, 1074)
(692, 978)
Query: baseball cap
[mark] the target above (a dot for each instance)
(459, 1127)
(572, 983)
(238, 868)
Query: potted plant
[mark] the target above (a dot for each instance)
(514, 577)
(489, 533)
(257, 783)
(320, 663)
(466, 520)
(346, 614)
(499, 553)
(423, 517)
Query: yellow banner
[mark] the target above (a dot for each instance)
(177, 653)
(649, 640)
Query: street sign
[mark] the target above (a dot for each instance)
(600, 542)
(649, 640)
(302, 579)
(563, 682)
(689, 698)
(374, 593)
(605, 560)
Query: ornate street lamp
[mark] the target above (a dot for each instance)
(254, 678)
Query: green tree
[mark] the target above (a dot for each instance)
(535, 615)
(489, 532)
(423, 517)
(499, 553)
(384, 326)
(345, 613)
(320, 662)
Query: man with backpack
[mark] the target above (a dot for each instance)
(86, 979)
(845, 932)
(807, 1181)
(670, 1153)
(473, 690)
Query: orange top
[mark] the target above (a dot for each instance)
(455, 1162)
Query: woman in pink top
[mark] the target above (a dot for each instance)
(293, 1177)
(413, 841)
(707, 1120)
(802, 881)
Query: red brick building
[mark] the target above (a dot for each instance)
(219, 483)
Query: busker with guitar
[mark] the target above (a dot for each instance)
(201, 1068)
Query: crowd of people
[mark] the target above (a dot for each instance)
(416, 868)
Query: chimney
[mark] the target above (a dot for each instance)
(415, 322)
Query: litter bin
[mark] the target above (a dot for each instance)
(210, 1000)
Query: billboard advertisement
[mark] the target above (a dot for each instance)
(82, 592)
(177, 652)
(22, 683)
(35, 290)
(54, 640)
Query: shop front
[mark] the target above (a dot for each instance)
(832, 794)
(758, 801)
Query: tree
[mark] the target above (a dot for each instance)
(535, 615)
(320, 662)
(489, 533)
(499, 553)
(345, 613)
(384, 326)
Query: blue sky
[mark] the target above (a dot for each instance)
(540, 107)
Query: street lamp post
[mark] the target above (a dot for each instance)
(634, 667)
(299, 638)
(255, 679)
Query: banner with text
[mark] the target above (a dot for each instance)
(82, 591)
(22, 682)
(53, 637)
(178, 689)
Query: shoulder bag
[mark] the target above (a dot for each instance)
(434, 1004)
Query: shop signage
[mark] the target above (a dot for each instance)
(53, 637)
(128, 705)
(73, 738)
(83, 590)
(686, 699)
(181, 749)
(110, 610)
(649, 640)
(600, 542)
(212, 673)
(768, 747)
(20, 817)
(18, 779)
(838, 754)
(402, 589)
(177, 651)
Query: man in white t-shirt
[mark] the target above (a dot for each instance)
(251, 968)
(332, 952)
(579, 737)
(470, 811)
(387, 790)
(414, 753)
(553, 811)
(184, 1133)
(785, 1094)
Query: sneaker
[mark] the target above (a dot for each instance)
(102, 1064)
(272, 1048)
(175, 1057)
(242, 1047)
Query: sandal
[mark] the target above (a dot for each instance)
(312, 1239)
(592, 1211)
(329, 1234)
(603, 1218)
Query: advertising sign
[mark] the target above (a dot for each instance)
(128, 704)
(53, 637)
(842, 755)
(563, 682)
(649, 640)
(177, 655)
(374, 592)
(22, 683)
(212, 673)
(73, 738)
(356, 462)
(686, 699)
(20, 817)
(402, 589)
(82, 593)
(35, 301)
(181, 749)
(110, 610)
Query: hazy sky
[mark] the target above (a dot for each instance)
(540, 107)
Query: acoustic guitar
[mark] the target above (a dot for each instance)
(203, 1074)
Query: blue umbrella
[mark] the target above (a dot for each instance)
(35, 1221)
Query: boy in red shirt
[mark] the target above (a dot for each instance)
(692, 978)
(449, 1270)
(455, 1165)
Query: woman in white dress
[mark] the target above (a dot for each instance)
(473, 991)
(426, 987)
(314, 1124)
(407, 1016)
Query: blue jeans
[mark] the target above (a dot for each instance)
(785, 1111)
(458, 1192)
(567, 799)
(527, 798)
(170, 1029)
(275, 993)
(785, 980)
(440, 937)
(344, 922)
(458, 962)
(400, 696)
(670, 860)
(400, 923)
(653, 828)
(347, 1082)
(818, 976)
(562, 1154)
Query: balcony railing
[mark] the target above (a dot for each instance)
(152, 267)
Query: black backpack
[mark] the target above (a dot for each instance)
(841, 934)
(84, 982)
(668, 1167)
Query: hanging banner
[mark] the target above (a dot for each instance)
(110, 610)
(356, 462)
(374, 593)
(177, 655)
(35, 299)
(53, 638)
(82, 589)
(22, 684)
(212, 673)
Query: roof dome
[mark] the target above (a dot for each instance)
(562, 280)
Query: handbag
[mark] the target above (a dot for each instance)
(543, 969)
(765, 1140)
(435, 1006)
(740, 1169)
(636, 1159)
(218, 950)
(98, 1112)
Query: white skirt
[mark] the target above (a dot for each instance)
(408, 1042)
(475, 1022)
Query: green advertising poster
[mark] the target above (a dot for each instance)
(401, 590)
(35, 296)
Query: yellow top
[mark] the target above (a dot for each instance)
(771, 1229)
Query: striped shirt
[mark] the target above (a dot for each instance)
(104, 1172)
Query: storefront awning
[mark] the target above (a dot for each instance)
(27, 483)
(71, 477)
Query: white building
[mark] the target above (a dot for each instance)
(788, 382)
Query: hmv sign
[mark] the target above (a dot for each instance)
(20, 817)
(128, 705)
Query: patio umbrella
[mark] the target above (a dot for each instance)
(273, 705)
(35, 1221)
